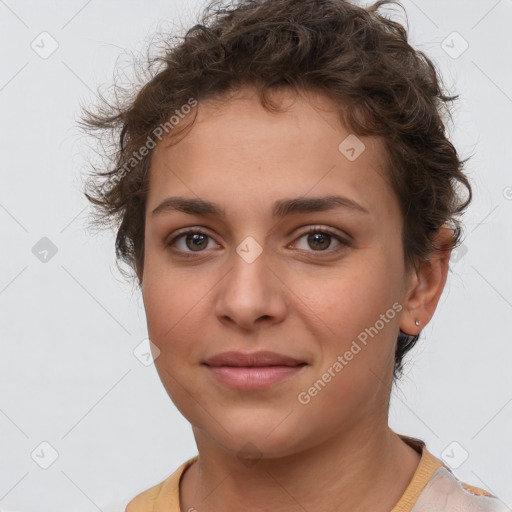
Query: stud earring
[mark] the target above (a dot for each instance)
(417, 322)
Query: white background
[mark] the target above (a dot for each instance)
(69, 326)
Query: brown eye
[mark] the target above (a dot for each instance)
(190, 241)
(318, 239)
(196, 241)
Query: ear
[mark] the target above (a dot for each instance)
(427, 284)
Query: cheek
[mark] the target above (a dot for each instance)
(357, 353)
(359, 311)
(168, 297)
(349, 299)
(176, 305)
(172, 325)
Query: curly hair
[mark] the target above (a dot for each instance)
(357, 57)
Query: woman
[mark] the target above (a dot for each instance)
(288, 203)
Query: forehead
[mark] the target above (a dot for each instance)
(239, 152)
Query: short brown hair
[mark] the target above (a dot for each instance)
(356, 56)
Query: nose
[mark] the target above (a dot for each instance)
(251, 294)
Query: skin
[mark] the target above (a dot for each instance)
(308, 300)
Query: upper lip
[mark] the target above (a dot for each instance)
(264, 358)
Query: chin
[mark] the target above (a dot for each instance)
(257, 434)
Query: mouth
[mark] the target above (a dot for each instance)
(255, 359)
(254, 370)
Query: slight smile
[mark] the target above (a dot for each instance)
(252, 371)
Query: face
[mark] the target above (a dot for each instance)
(271, 265)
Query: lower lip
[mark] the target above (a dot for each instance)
(253, 377)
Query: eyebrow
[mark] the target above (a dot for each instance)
(281, 208)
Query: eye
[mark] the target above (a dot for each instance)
(316, 237)
(191, 240)
(320, 240)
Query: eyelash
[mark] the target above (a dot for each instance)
(311, 230)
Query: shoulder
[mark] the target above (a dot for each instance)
(145, 500)
(164, 496)
(445, 492)
(476, 491)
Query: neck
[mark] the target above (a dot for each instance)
(357, 471)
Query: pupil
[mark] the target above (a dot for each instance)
(198, 239)
(319, 237)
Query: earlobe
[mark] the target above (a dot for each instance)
(428, 285)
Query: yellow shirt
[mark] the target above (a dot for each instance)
(433, 488)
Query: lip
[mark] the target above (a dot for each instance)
(263, 358)
(255, 370)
